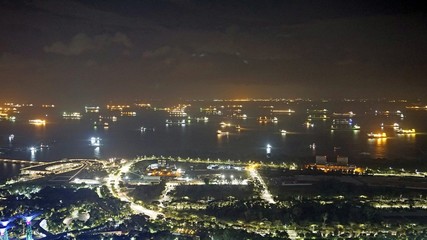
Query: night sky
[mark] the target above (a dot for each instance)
(75, 52)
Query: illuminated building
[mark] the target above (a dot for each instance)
(340, 166)
(145, 180)
(336, 168)
(163, 169)
(321, 160)
(342, 160)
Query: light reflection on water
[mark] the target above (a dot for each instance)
(378, 147)
(96, 152)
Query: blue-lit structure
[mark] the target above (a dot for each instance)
(28, 225)
(4, 225)
(28, 229)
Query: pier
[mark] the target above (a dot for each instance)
(19, 161)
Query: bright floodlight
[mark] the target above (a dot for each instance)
(4, 223)
(268, 149)
(28, 219)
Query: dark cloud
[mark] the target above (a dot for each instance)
(82, 43)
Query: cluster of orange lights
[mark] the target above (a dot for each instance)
(185, 231)
(335, 168)
(37, 122)
(117, 107)
(164, 173)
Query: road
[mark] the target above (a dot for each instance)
(113, 186)
(265, 193)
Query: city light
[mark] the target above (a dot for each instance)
(213, 120)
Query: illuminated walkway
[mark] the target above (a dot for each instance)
(265, 193)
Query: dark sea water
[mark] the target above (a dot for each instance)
(71, 138)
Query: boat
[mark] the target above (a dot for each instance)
(220, 132)
(95, 141)
(283, 132)
(263, 119)
(224, 124)
(317, 110)
(315, 116)
(267, 119)
(42, 145)
(347, 114)
(341, 121)
(178, 111)
(309, 124)
(405, 131)
(37, 121)
(203, 119)
(345, 127)
(144, 129)
(240, 116)
(377, 135)
(243, 116)
(176, 122)
(101, 124)
(287, 111)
